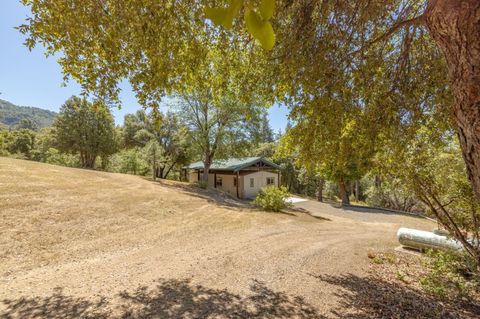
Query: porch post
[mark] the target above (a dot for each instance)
(278, 179)
(198, 175)
(215, 180)
(238, 182)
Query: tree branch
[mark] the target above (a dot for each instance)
(399, 25)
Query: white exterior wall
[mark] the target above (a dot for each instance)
(227, 184)
(259, 182)
(193, 177)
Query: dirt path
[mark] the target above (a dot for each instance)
(76, 243)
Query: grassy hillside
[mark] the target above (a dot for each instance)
(67, 233)
(11, 115)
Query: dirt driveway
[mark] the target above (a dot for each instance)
(133, 248)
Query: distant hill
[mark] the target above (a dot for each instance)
(11, 115)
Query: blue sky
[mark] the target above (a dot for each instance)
(28, 78)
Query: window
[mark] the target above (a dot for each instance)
(252, 182)
(234, 181)
(270, 181)
(219, 181)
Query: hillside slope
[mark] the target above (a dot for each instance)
(81, 243)
(11, 115)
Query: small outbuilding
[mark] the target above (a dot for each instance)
(240, 177)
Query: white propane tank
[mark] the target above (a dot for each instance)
(419, 239)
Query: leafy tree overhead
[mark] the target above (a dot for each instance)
(159, 47)
(86, 129)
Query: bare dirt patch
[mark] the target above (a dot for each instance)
(79, 243)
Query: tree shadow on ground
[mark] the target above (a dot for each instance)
(211, 195)
(376, 210)
(371, 297)
(168, 299)
(223, 199)
(305, 211)
(55, 306)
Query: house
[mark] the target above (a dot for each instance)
(240, 177)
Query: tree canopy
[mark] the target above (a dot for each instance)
(85, 128)
(160, 47)
(142, 128)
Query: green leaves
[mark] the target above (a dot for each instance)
(260, 29)
(224, 16)
(217, 15)
(232, 11)
(258, 24)
(266, 9)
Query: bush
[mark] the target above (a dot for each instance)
(54, 156)
(273, 198)
(450, 275)
(330, 190)
(129, 161)
(202, 184)
(393, 195)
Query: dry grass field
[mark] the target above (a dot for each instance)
(79, 243)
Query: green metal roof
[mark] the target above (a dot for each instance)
(234, 164)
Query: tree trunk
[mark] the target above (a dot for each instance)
(378, 181)
(82, 159)
(321, 183)
(205, 173)
(342, 187)
(455, 27)
(357, 190)
(88, 160)
(206, 167)
(169, 169)
(105, 160)
(92, 161)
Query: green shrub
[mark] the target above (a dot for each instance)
(392, 194)
(17, 155)
(450, 275)
(202, 184)
(273, 198)
(330, 190)
(54, 156)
